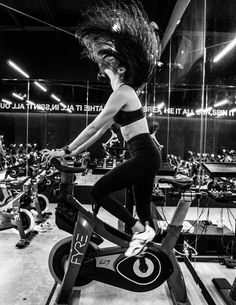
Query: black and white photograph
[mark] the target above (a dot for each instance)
(117, 152)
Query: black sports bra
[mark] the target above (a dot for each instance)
(124, 118)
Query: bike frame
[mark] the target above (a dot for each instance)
(87, 224)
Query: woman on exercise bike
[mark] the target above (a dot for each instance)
(118, 36)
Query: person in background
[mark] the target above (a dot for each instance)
(154, 127)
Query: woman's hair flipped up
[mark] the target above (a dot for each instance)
(118, 33)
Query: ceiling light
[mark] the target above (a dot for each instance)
(30, 102)
(40, 86)
(161, 105)
(6, 101)
(228, 48)
(188, 115)
(55, 97)
(203, 110)
(18, 96)
(221, 103)
(17, 68)
(63, 105)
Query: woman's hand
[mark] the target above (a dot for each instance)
(49, 154)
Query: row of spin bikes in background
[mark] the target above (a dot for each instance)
(23, 184)
(191, 167)
(24, 207)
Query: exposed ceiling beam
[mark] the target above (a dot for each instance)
(177, 14)
(30, 28)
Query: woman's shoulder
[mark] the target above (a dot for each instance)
(124, 92)
(127, 91)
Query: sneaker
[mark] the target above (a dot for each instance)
(48, 225)
(139, 241)
(40, 228)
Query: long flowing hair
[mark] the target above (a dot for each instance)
(118, 33)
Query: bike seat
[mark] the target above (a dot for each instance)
(182, 183)
(67, 169)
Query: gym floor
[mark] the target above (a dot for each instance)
(26, 280)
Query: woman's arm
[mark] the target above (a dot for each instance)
(92, 140)
(115, 102)
(49, 154)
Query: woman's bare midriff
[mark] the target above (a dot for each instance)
(134, 129)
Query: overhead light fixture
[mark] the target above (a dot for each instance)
(226, 50)
(150, 114)
(17, 68)
(203, 110)
(55, 97)
(69, 110)
(221, 103)
(62, 104)
(199, 110)
(207, 109)
(40, 86)
(30, 102)
(233, 110)
(188, 115)
(18, 96)
(161, 105)
(6, 101)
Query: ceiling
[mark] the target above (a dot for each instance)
(43, 42)
(39, 36)
(66, 14)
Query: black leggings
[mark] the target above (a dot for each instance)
(138, 172)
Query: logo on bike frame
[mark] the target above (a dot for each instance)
(81, 242)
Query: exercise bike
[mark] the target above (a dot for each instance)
(22, 206)
(14, 216)
(34, 200)
(76, 261)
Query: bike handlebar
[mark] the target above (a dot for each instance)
(67, 169)
(37, 173)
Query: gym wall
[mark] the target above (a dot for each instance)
(55, 130)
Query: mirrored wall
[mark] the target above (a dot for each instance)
(189, 102)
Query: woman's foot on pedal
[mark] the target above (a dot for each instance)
(139, 241)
